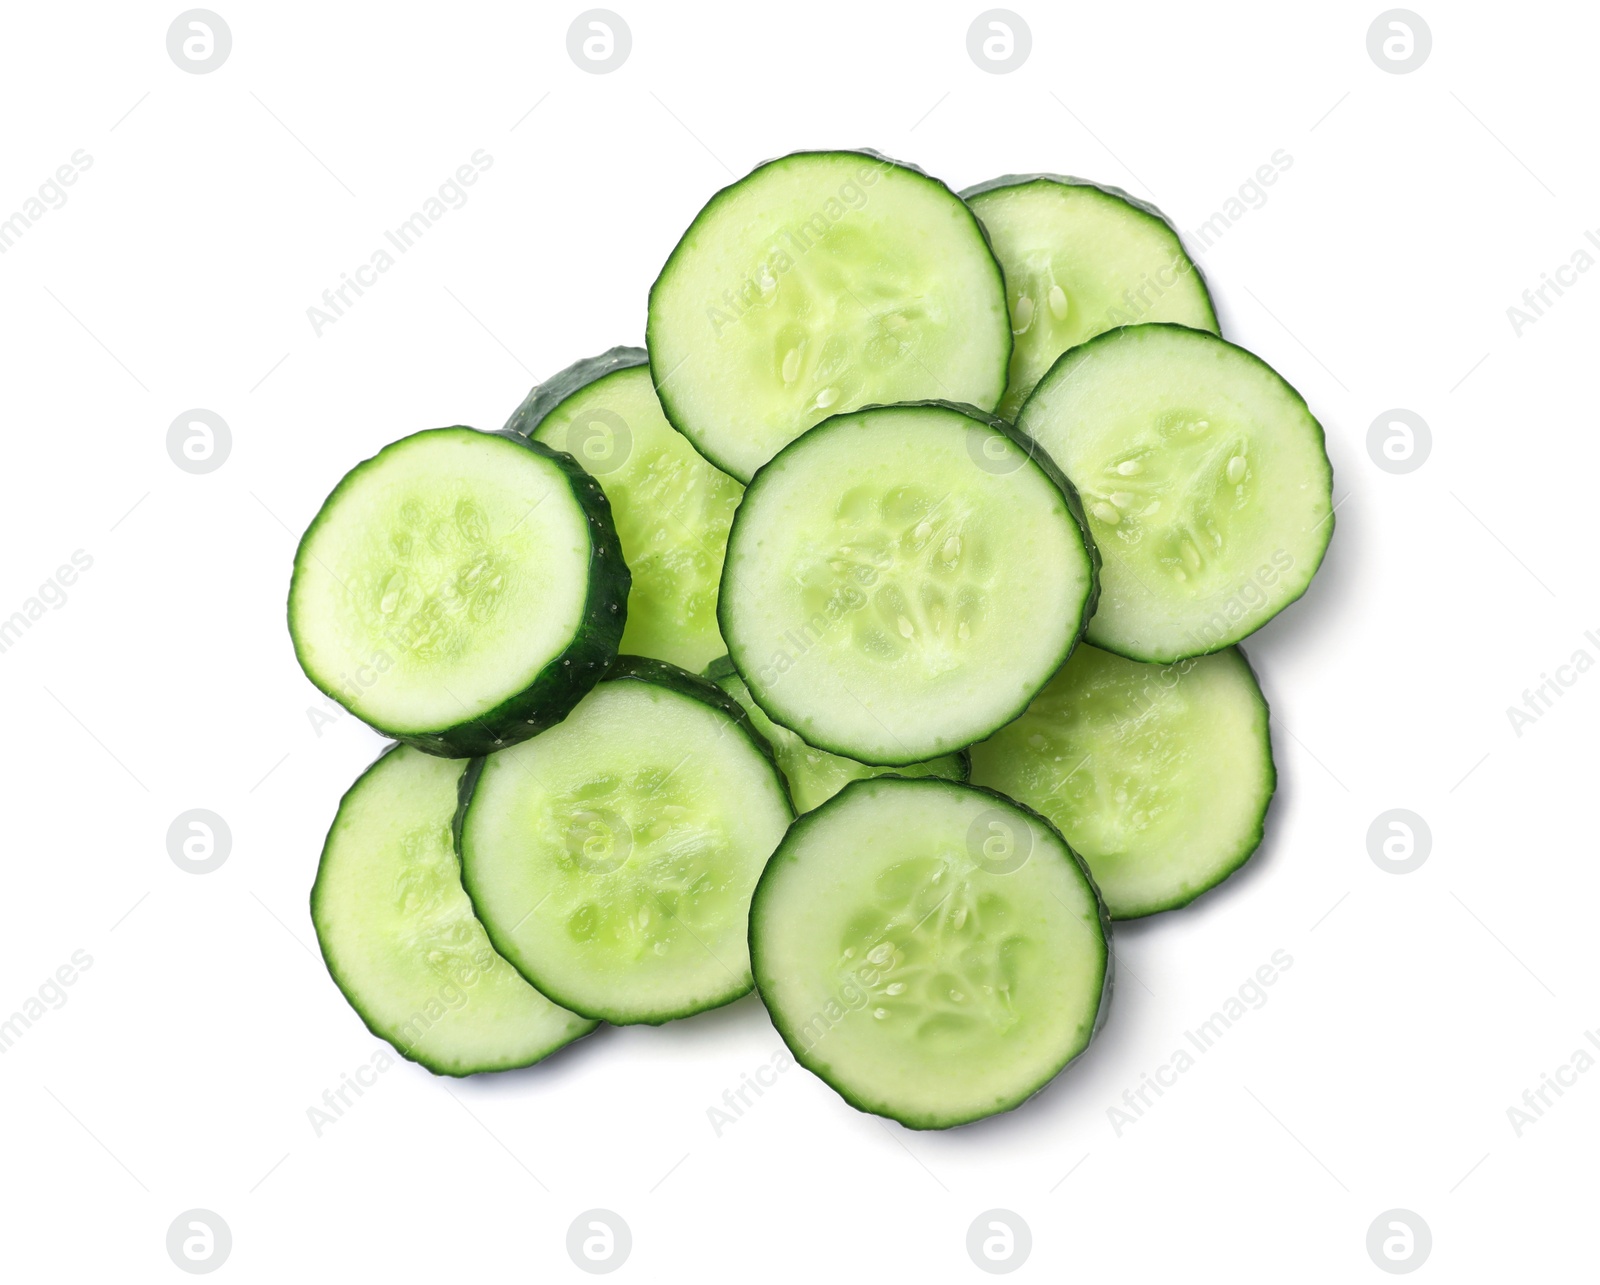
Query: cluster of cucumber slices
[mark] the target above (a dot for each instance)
(931, 518)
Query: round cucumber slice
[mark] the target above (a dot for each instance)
(815, 776)
(672, 509)
(459, 590)
(902, 580)
(1205, 478)
(1079, 259)
(818, 283)
(933, 951)
(1158, 775)
(612, 858)
(399, 936)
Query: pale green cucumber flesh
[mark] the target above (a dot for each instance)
(814, 775)
(1205, 480)
(818, 283)
(400, 938)
(933, 951)
(671, 507)
(902, 580)
(459, 590)
(1080, 259)
(1159, 776)
(612, 858)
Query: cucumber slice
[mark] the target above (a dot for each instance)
(1158, 775)
(671, 508)
(814, 775)
(611, 859)
(818, 283)
(933, 951)
(459, 591)
(1206, 481)
(399, 936)
(1079, 259)
(902, 580)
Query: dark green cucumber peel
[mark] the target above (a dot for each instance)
(545, 397)
(818, 1068)
(1068, 180)
(1031, 449)
(660, 378)
(722, 667)
(569, 676)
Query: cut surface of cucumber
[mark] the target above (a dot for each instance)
(612, 858)
(1205, 480)
(459, 590)
(399, 936)
(933, 951)
(902, 580)
(1080, 259)
(815, 776)
(1159, 776)
(671, 507)
(818, 283)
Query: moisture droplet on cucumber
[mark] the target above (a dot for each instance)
(902, 581)
(1159, 776)
(460, 590)
(1205, 479)
(399, 936)
(611, 858)
(1080, 259)
(933, 951)
(814, 775)
(671, 508)
(818, 283)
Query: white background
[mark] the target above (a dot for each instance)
(218, 208)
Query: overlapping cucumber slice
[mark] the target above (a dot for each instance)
(460, 590)
(818, 283)
(933, 951)
(902, 580)
(1080, 259)
(1205, 480)
(612, 858)
(399, 935)
(814, 775)
(1159, 776)
(671, 507)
